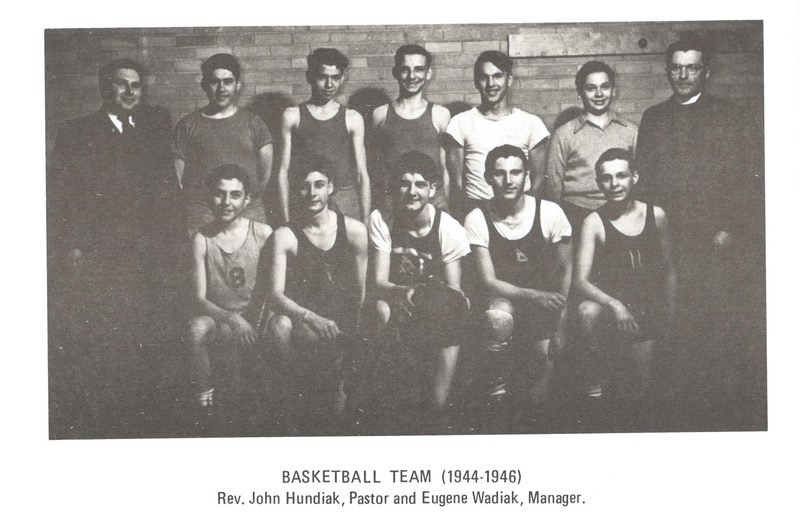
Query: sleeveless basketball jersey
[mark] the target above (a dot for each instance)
(526, 262)
(402, 135)
(416, 260)
(329, 139)
(630, 268)
(322, 281)
(230, 277)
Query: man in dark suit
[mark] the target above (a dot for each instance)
(108, 198)
(697, 156)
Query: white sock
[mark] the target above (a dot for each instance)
(206, 398)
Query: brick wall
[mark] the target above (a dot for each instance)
(273, 60)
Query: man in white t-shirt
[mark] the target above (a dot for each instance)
(473, 133)
(523, 253)
(417, 244)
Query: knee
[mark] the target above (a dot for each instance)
(382, 312)
(200, 330)
(280, 328)
(589, 314)
(498, 326)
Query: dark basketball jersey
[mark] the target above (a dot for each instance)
(326, 138)
(416, 260)
(527, 262)
(322, 280)
(631, 268)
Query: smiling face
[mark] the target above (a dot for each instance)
(222, 88)
(687, 74)
(314, 191)
(325, 81)
(415, 192)
(615, 179)
(123, 92)
(228, 199)
(507, 179)
(596, 93)
(492, 83)
(412, 74)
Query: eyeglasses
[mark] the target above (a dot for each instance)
(691, 69)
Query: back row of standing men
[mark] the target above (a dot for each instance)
(689, 157)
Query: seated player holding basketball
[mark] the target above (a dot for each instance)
(316, 284)
(523, 252)
(225, 261)
(415, 244)
(625, 275)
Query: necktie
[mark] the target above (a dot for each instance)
(126, 123)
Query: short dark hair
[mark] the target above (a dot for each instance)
(592, 67)
(228, 172)
(412, 49)
(690, 41)
(327, 56)
(106, 73)
(503, 152)
(416, 162)
(613, 154)
(310, 164)
(223, 61)
(497, 58)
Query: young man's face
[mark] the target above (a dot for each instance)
(228, 199)
(412, 74)
(222, 88)
(597, 93)
(687, 74)
(508, 179)
(124, 91)
(315, 191)
(415, 192)
(492, 83)
(615, 179)
(325, 82)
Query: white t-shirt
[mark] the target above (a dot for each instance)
(555, 226)
(479, 135)
(451, 235)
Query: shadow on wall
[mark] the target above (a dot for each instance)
(457, 107)
(365, 100)
(269, 106)
(570, 113)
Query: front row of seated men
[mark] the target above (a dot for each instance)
(317, 285)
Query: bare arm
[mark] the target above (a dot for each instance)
(357, 235)
(284, 244)
(452, 274)
(455, 163)
(537, 157)
(264, 168)
(355, 125)
(564, 277)
(441, 117)
(289, 121)
(671, 275)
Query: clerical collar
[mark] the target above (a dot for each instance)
(691, 100)
(118, 122)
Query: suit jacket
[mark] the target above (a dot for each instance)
(107, 190)
(697, 161)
